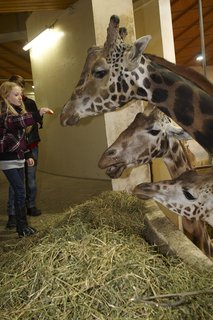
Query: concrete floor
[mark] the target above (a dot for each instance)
(56, 195)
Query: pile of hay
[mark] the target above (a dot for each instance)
(96, 267)
(119, 210)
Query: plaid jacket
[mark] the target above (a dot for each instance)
(13, 144)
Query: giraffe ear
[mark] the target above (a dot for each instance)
(134, 54)
(177, 132)
(188, 176)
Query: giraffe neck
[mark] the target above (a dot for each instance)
(197, 232)
(179, 99)
(175, 158)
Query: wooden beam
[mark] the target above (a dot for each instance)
(33, 5)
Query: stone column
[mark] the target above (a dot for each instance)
(154, 17)
(116, 122)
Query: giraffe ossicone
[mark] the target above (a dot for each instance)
(118, 73)
(190, 195)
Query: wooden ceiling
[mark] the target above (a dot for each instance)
(186, 28)
(33, 5)
(185, 16)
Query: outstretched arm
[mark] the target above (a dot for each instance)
(14, 122)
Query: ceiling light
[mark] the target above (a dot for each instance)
(41, 37)
(199, 57)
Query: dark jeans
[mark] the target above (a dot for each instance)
(30, 184)
(16, 180)
(30, 175)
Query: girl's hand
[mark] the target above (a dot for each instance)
(42, 111)
(30, 162)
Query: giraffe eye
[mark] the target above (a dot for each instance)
(99, 73)
(188, 195)
(154, 132)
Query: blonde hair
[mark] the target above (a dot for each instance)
(5, 107)
(5, 89)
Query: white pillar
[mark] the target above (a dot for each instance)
(117, 121)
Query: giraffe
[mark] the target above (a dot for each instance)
(147, 137)
(118, 73)
(189, 195)
(150, 135)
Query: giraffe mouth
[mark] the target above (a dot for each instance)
(115, 171)
(142, 191)
(69, 120)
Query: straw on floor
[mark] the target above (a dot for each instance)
(96, 265)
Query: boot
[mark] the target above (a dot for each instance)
(11, 223)
(22, 226)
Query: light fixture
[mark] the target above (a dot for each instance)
(199, 57)
(47, 36)
(41, 37)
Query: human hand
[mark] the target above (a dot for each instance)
(30, 162)
(42, 111)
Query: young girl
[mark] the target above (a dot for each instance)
(14, 121)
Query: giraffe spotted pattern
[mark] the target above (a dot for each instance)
(117, 73)
(189, 195)
(147, 137)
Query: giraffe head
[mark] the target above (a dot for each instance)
(150, 135)
(96, 91)
(118, 73)
(190, 195)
